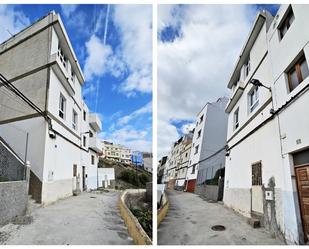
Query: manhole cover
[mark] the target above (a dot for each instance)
(93, 197)
(218, 228)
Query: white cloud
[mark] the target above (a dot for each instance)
(134, 23)
(68, 9)
(11, 21)
(133, 56)
(129, 137)
(137, 113)
(187, 127)
(195, 68)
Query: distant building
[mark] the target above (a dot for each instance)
(147, 158)
(137, 158)
(161, 167)
(209, 138)
(116, 152)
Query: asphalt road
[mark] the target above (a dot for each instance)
(190, 218)
(88, 219)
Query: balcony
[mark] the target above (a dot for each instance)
(95, 144)
(238, 90)
(60, 68)
(95, 122)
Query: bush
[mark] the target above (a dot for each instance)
(143, 178)
(130, 176)
(144, 218)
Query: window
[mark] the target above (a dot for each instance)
(62, 103)
(257, 174)
(74, 170)
(236, 118)
(286, 23)
(72, 77)
(196, 149)
(193, 169)
(84, 141)
(298, 73)
(199, 133)
(62, 57)
(247, 67)
(74, 120)
(186, 155)
(253, 98)
(201, 118)
(84, 115)
(92, 159)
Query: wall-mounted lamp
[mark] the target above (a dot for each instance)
(258, 83)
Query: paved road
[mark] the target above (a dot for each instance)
(190, 218)
(88, 219)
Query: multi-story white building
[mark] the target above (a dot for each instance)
(208, 138)
(62, 139)
(116, 152)
(267, 159)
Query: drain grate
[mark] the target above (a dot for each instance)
(218, 228)
(93, 197)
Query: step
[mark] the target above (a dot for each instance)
(255, 223)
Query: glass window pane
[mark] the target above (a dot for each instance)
(293, 80)
(291, 19)
(304, 69)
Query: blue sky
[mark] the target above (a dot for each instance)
(120, 68)
(198, 46)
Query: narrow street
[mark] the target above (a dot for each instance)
(91, 219)
(190, 218)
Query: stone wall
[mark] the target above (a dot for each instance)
(208, 192)
(13, 201)
(11, 169)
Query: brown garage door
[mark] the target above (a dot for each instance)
(302, 176)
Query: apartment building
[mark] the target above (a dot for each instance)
(173, 163)
(116, 152)
(209, 137)
(62, 139)
(181, 170)
(161, 167)
(268, 136)
(147, 158)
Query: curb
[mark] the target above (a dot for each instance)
(163, 211)
(136, 231)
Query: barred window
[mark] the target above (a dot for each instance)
(257, 174)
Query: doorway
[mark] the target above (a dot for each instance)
(84, 177)
(301, 164)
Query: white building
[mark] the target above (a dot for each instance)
(147, 158)
(208, 138)
(268, 139)
(116, 152)
(62, 145)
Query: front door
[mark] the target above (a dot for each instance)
(84, 178)
(302, 176)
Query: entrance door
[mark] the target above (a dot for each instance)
(256, 191)
(302, 176)
(84, 178)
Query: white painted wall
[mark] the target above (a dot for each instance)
(106, 174)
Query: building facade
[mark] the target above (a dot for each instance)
(147, 158)
(62, 139)
(161, 167)
(268, 138)
(182, 165)
(208, 138)
(137, 158)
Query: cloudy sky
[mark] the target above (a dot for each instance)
(198, 46)
(117, 64)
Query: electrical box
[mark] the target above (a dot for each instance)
(269, 195)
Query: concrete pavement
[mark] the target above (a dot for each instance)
(88, 219)
(190, 218)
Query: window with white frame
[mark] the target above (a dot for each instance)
(286, 22)
(247, 67)
(62, 105)
(199, 133)
(236, 119)
(74, 120)
(253, 97)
